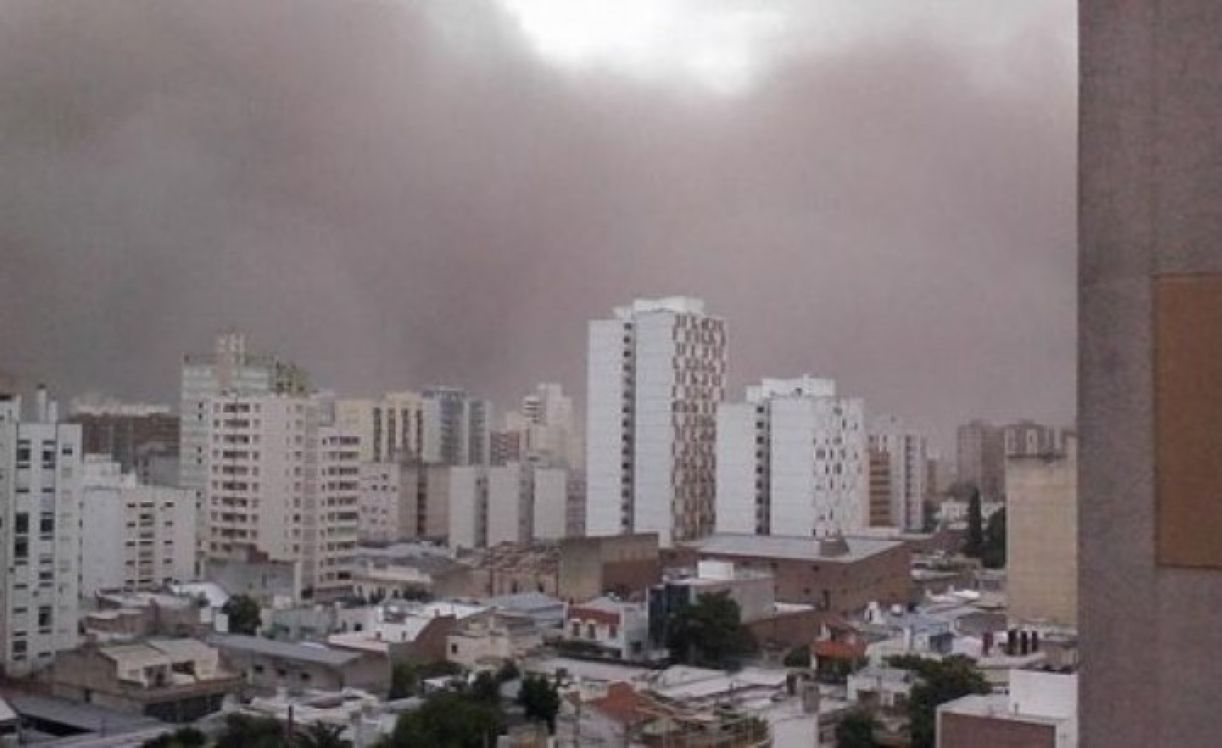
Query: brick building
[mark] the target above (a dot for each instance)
(838, 574)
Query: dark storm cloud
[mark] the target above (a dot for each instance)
(397, 194)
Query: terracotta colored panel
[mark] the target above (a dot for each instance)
(1188, 419)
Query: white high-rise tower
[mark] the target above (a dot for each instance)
(656, 374)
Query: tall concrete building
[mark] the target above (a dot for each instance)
(387, 506)
(1150, 360)
(792, 460)
(456, 428)
(391, 428)
(906, 454)
(134, 537)
(655, 376)
(284, 484)
(142, 438)
(1042, 537)
(40, 534)
(229, 369)
(981, 458)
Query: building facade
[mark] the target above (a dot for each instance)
(980, 455)
(134, 537)
(543, 429)
(40, 524)
(456, 428)
(143, 439)
(391, 429)
(907, 464)
(1042, 537)
(1029, 439)
(228, 369)
(285, 484)
(792, 457)
(656, 374)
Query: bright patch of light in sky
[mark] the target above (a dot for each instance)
(715, 44)
(726, 45)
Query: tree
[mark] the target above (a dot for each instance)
(486, 688)
(540, 699)
(856, 730)
(183, 737)
(509, 671)
(403, 681)
(449, 719)
(243, 614)
(243, 731)
(321, 735)
(798, 657)
(940, 681)
(709, 633)
(974, 545)
(993, 554)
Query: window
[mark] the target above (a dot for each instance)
(46, 524)
(21, 524)
(21, 549)
(44, 617)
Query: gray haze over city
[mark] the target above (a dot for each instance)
(398, 194)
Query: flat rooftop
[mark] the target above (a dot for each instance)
(303, 652)
(795, 548)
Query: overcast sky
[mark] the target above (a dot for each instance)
(398, 194)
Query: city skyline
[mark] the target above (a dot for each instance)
(499, 188)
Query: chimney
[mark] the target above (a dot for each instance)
(40, 404)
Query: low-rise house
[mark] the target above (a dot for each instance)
(268, 665)
(875, 687)
(175, 680)
(402, 631)
(363, 717)
(610, 627)
(492, 638)
(121, 616)
(773, 625)
(546, 611)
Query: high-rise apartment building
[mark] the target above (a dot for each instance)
(792, 460)
(1042, 536)
(655, 376)
(134, 537)
(907, 459)
(981, 459)
(456, 428)
(230, 369)
(387, 507)
(142, 438)
(40, 526)
(285, 484)
(391, 429)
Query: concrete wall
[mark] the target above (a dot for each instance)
(591, 566)
(1042, 538)
(1150, 183)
